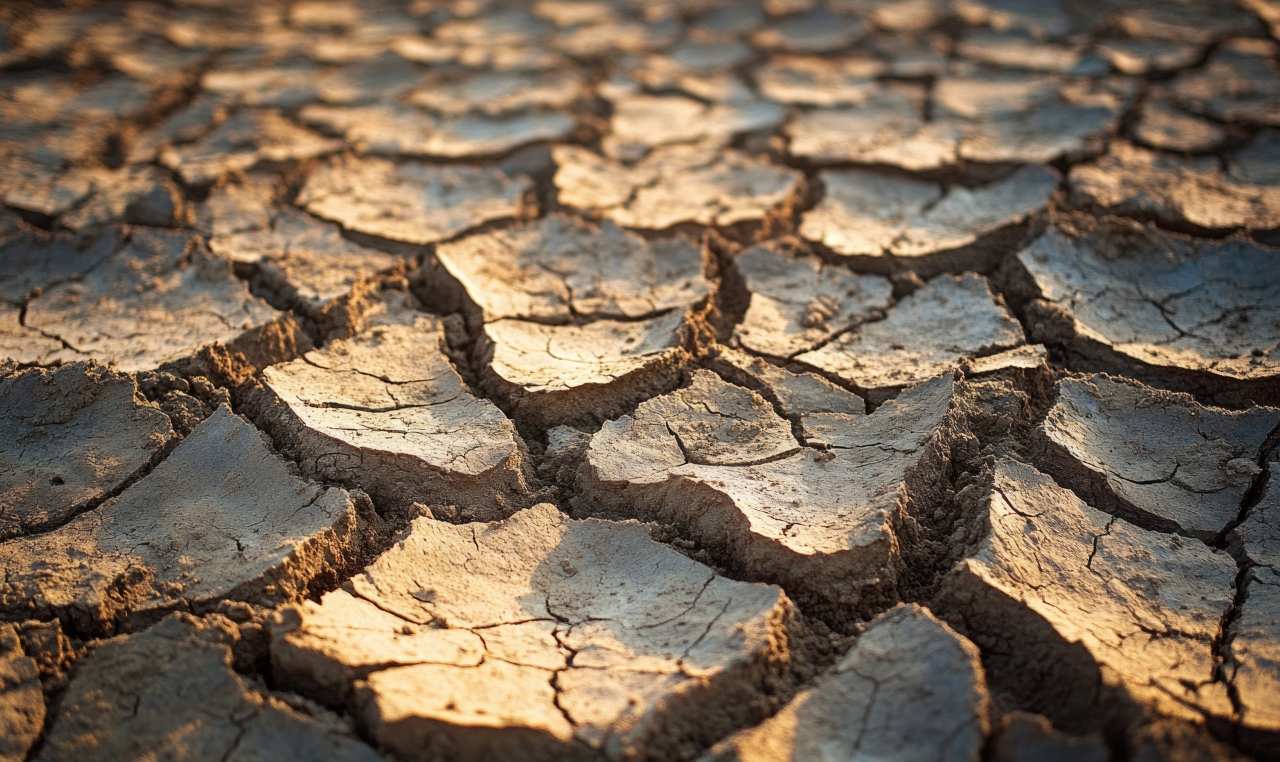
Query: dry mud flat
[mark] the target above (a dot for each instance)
(668, 381)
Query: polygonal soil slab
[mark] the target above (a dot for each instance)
(1201, 316)
(702, 68)
(911, 688)
(674, 185)
(220, 517)
(1018, 49)
(578, 320)
(1253, 646)
(800, 303)
(142, 195)
(949, 320)
(243, 140)
(305, 261)
(553, 374)
(410, 201)
(819, 81)
(1088, 617)
(716, 462)
(559, 268)
(1164, 127)
(885, 220)
(981, 117)
(385, 410)
(1184, 192)
(500, 92)
(69, 438)
(811, 31)
(1158, 458)
(1194, 22)
(33, 262)
(811, 403)
(172, 687)
(283, 84)
(562, 640)
(1241, 83)
(157, 300)
(400, 130)
(641, 122)
(22, 707)
(1140, 57)
(30, 263)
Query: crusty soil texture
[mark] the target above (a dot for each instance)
(613, 380)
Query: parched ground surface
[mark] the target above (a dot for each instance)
(615, 380)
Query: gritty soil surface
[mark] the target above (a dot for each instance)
(611, 380)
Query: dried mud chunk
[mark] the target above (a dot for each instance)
(33, 262)
(1090, 617)
(888, 127)
(1162, 126)
(701, 67)
(70, 437)
(565, 640)
(1017, 49)
(930, 331)
(1241, 83)
(220, 517)
(641, 122)
(1025, 118)
(983, 118)
(818, 81)
(286, 84)
(821, 523)
(1253, 647)
(1158, 458)
(44, 187)
(799, 303)
(808, 400)
(1258, 161)
(1141, 57)
(305, 260)
(1197, 315)
(1042, 18)
(910, 689)
(1195, 22)
(138, 195)
(1179, 191)
(813, 31)
(604, 38)
(410, 201)
(501, 92)
(1259, 533)
(243, 140)
(397, 129)
(384, 77)
(561, 373)
(22, 707)
(673, 185)
(157, 300)
(920, 224)
(387, 411)
(21, 344)
(172, 687)
(559, 268)
(1254, 660)
(186, 124)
